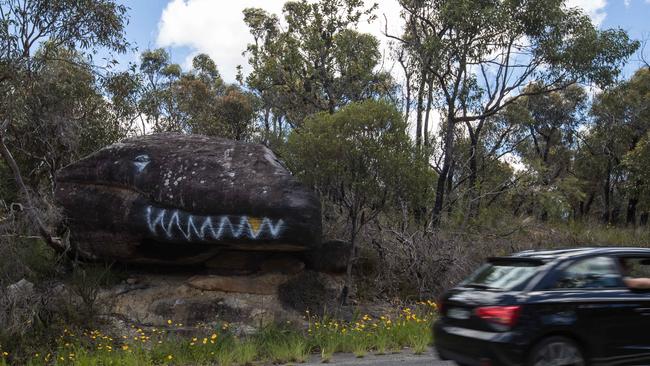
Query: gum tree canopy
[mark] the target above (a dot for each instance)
(79, 26)
(361, 158)
(481, 54)
(318, 62)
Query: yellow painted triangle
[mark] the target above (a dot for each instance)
(255, 224)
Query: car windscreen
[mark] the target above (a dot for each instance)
(503, 274)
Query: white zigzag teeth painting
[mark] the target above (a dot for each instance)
(179, 225)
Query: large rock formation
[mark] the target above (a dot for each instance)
(183, 199)
(153, 299)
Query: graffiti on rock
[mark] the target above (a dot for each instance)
(141, 162)
(177, 224)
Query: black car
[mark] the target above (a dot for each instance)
(542, 308)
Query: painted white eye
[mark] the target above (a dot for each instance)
(141, 162)
(142, 159)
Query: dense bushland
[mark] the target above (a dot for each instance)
(522, 155)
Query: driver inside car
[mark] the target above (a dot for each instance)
(630, 282)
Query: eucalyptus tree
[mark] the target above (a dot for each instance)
(157, 76)
(165, 98)
(359, 157)
(638, 164)
(621, 122)
(550, 123)
(81, 26)
(66, 117)
(481, 55)
(318, 62)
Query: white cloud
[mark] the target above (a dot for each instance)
(627, 3)
(213, 27)
(594, 8)
(216, 27)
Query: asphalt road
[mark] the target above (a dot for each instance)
(405, 358)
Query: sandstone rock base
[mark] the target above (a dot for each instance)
(154, 299)
(264, 284)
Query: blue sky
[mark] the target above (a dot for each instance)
(187, 27)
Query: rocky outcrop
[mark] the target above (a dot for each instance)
(238, 263)
(20, 290)
(153, 300)
(228, 208)
(185, 199)
(332, 257)
(263, 284)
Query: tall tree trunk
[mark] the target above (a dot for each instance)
(345, 292)
(450, 187)
(420, 110)
(267, 125)
(643, 220)
(425, 132)
(585, 206)
(446, 165)
(474, 196)
(615, 215)
(631, 210)
(607, 214)
(440, 195)
(407, 103)
(275, 126)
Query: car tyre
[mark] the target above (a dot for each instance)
(556, 351)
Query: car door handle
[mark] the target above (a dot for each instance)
(643, 311)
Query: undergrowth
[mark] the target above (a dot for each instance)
(410, 327)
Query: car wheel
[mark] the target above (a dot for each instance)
(556, 351)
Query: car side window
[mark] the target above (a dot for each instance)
(595, 272)
(636, 267)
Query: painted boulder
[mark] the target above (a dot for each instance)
(183, 199)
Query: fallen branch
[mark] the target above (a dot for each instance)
(55, 242)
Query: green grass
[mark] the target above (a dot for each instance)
(280, 343)
(411, 328)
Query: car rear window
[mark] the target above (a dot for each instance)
(503, 274)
